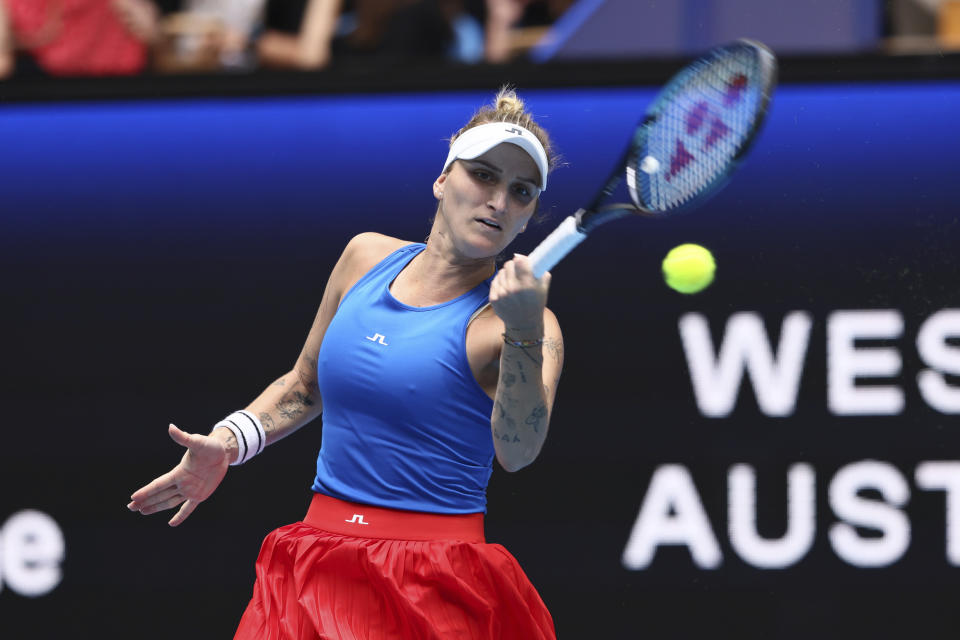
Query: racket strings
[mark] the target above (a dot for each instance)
(702, 122)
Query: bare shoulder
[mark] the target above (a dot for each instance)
(364, 251)
(369, 248)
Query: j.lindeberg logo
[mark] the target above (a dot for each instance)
(378, 338)
(357, 519)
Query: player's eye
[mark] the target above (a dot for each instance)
(482, 174)
(523, 191)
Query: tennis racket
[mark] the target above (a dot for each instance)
(689, 142)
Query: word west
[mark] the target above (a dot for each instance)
(31, 552)
(672, 513)
(775, 375)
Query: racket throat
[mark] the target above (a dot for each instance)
(578, 218)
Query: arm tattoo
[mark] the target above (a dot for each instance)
(503, 435)
(302, 399)
(520, 367)
(510, 422)
(291, 408)
(555, 348)
(231, 439)
(267, 421)
(280, 383)
(509, 379)
(536, 417)
(534, 359)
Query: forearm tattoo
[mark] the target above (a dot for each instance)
(269, 426)
(510, 422)
(504, 436)
(520, 416)
(523, 377)
(231, 440)
(534, 355)
(536, 417)
(291, 407)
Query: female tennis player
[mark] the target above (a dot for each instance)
(426, 363)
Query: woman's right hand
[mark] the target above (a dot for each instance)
(189, 483)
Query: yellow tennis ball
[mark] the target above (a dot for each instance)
(689, 268)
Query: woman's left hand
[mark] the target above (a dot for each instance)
(519, 298)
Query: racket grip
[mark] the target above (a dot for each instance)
(556, 245)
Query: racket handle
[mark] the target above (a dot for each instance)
(556, 245)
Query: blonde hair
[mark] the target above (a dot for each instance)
(508, 107)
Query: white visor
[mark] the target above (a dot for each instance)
(476, 141)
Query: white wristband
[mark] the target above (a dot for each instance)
(246, 428)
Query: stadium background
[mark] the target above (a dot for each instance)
(165, 244)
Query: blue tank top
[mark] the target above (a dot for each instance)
(405, 423)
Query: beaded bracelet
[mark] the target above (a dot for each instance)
(522, 344)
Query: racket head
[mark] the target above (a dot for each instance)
(699, 127)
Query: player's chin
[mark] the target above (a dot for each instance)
(480, 247)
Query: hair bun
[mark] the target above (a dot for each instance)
(508, 107)
(508, 104)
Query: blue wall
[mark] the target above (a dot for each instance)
(316, 161)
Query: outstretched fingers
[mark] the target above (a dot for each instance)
(149, 492)
(163, 505)
(165, 486)
(183, 513)
(198, 474)
(154, 499)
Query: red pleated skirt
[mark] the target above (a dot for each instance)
(355, 572)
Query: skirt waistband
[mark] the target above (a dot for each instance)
(365, 521)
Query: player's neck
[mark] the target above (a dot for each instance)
(442, 259)
(436, 275)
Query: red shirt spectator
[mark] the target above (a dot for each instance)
(81, 37)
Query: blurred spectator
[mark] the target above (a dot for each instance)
(948, 25)
(513, 26)
(919, 26)
(298, 34)
(312, 33)
(318, 31)
(105, 37)
(6, 44)
(308, 34)
(76, 37)
(206, 35)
